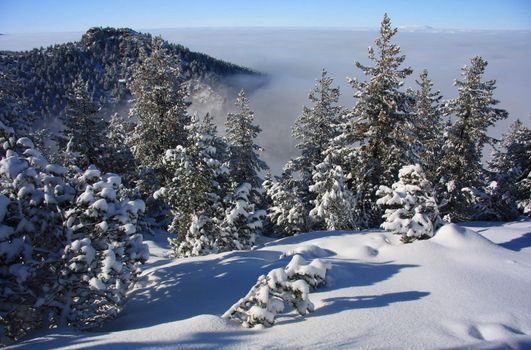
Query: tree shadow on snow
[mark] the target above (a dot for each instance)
(193, 288)
(347, 273)
(308, 236)
(339, 304)
(519, 243)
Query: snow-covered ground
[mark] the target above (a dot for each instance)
(468, 287)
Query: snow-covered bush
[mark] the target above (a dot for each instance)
(411, 209)
(269, 296)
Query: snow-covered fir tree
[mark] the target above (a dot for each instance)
(410, 206)
(160, 106)
(84, 128)
(244, 164)
(33, 195)
(427, 125)
(317, 124)
(313, 130)
(474, 111)
(120, 159)
(286, 211)
(335, 204)
(268, 297)
(378, 125)
(102, 251)
(511, 164)
(244, 161)
(68, 246)
(193, 193)
(241, 221)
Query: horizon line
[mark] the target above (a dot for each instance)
(406, 28)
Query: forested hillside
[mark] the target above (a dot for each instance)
(36, 82)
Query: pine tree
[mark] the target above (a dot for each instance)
(268, 297)
(511, 165)
(316, 126)
(460, 165)
(246, 199)
(32, 199)
(84, 128)
(102, 251)
(193, 192)
(241, 220)
(160, 106)
(335, 203)
(427, 126)
(411, 209)
(68, 246)
(378, 126)
(244, 161)
(287, 211)
(120, 159)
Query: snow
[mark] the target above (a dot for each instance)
(25, 142)
(467, 287)
(90, 174)
(12, 166)
(97, 284)
(101, 204)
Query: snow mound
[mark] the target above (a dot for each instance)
(308, 251)
(458, 237)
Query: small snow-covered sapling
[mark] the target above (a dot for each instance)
(268, 297)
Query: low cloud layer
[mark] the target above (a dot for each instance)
(293, 58)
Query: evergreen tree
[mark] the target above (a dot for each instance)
(68, 246)
(102, 251)
(120, 159)
(411, 209)
(460, 166)
(335, 203)
(427, 126)
(245, 201)
(316, 126)
(160, 106)
(14, 111)
(378, 126)
(511, 165)
(268, 297)
(241, 220)
(287, 212)
(33, 195)
(193, 192)
(84, 128)
(243, 159)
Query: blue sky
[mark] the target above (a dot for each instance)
(26, 16)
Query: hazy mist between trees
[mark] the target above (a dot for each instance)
(293, 59)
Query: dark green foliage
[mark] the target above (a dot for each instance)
(103, 58)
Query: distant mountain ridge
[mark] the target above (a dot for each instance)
(40, 78)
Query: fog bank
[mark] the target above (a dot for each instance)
(293, 58)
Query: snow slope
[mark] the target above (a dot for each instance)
(456, 290)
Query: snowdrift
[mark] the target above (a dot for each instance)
(456, 290)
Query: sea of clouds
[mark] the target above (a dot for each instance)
(294, 58)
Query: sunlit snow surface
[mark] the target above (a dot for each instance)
(458, 289)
